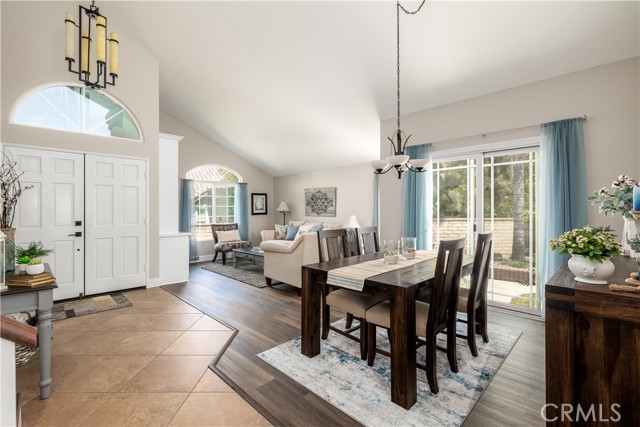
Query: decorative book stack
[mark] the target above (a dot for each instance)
(41, 279)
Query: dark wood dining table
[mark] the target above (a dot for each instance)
(401, 287)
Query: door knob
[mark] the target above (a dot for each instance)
(76, 234)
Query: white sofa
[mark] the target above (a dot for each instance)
(283, 259)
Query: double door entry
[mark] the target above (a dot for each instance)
(91, 210)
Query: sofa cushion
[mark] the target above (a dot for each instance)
(280, 246)
(228, 236)
(292, 232)
(317, 228)
(281, 232)
(296, 223)
(228, 246)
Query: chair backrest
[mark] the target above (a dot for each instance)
(446, 284)
(367, 240)
(480, 272)
(333, 244)
(222, 227)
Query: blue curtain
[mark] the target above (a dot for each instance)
(242, 210)
(186, 216)
(376, 201)
(563, 191)
(417, 200)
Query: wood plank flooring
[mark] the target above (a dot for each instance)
(267, 317)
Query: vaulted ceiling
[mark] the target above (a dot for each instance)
(299, 85)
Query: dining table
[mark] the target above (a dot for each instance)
(401, 287)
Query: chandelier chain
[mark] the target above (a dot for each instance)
(398, 7)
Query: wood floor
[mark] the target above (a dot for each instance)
(267, 317)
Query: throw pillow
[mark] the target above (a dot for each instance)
(315, 228)
(281, 232)
(292, 230)
(228, 236)
(304, 229)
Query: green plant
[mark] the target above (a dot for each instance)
(34, 250)
(35, 261)
(596, 243)
(617, 200)
(23, 260)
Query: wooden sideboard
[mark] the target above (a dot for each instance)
(592, 351)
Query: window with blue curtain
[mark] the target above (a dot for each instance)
(563, 191)
(186, 216)
(417, 199)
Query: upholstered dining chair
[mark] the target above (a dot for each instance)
(473, 300)
(225, 240)
(332, 244)
(367, 240)
(431, 319)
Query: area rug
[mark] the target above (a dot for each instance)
(81, 307)
(246, 272)
(340, 377)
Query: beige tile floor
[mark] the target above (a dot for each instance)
(145, 365)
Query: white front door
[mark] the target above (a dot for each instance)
(52, 211)
(116, 223)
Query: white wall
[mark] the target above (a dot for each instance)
(354, 194)
(197, 150)
(33, 56)
(608, 95)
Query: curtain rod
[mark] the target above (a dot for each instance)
(484, 135)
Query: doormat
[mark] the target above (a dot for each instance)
(81, 307)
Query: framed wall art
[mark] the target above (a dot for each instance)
(258, 203)
(320, 201)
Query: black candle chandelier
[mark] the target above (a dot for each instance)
(399, 160)
(91, 22)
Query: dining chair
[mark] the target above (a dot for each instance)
(473, 300)
(431, 319)
(367, 240)
(332, 244)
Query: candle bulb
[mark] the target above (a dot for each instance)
(636, 198)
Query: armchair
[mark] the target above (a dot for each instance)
(224, 245)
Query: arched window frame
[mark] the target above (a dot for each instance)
(27, 95)
(208, 192)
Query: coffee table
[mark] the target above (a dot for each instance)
(249, 254)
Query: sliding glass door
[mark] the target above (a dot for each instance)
(499, 197)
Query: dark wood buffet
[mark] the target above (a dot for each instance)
(592, 351)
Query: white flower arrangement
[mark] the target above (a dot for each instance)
(596, 243)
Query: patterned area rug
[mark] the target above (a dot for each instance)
(340, 377)
(246, 272)
(80, 307)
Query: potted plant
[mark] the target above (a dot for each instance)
(35, 266)
(618, 200)
(27, 255)
(10, 191)
(590, 249)
(22, 263)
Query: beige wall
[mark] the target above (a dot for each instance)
(197, 150)
(354, 194)
(608, 95)
(33, 56)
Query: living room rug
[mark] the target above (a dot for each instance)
(81, 307)
(340, 377)
(246, 272)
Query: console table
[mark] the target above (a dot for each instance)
(592, 351)
(39, 298)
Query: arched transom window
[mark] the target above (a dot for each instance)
(213, 198)
(76, 109)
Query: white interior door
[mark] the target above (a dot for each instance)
(53, 212)
(115, 190)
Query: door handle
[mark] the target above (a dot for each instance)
(76, 234)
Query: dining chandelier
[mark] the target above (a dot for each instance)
(399, 160)
(90, 23)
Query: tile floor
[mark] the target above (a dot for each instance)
(145, 365)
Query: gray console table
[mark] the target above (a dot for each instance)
(39, 298)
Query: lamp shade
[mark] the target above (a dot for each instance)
(283, 207)
(352, 223)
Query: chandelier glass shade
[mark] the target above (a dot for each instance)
(89, 58)
(399, 160)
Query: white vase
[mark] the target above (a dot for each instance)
(35, 268)
(21, 268)
(588, 271)
(629, 231)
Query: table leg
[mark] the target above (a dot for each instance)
(45, 335)
(403, 347)
(310, 315)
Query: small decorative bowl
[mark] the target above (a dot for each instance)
(35, 269)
